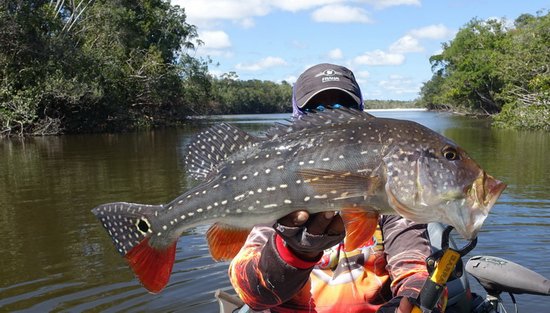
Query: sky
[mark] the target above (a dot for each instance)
(386, 43)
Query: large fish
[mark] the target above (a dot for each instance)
(339, 160)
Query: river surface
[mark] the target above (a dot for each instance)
(56, 257)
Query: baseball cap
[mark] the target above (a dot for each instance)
(325, 76)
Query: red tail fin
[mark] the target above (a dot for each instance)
(152, 266)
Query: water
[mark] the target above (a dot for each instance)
(56, 257)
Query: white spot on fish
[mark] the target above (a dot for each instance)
(307, 199)
(283, 186)
(191, 213)
(267, 171)
(268, 206)
(287, 201)
(199, 210)
(323, 196)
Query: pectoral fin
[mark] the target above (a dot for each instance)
(225, 241)
(360, 225)
(341, 185)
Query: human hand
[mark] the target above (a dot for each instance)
(308, 235)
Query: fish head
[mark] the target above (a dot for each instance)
(431, 179)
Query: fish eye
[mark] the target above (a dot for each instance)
(450, 154)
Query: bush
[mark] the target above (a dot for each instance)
(525, 117)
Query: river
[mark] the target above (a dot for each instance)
(55, 256)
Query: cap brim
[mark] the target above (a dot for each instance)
(354, 97)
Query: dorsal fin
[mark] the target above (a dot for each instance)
(319, 119)
(213, 146)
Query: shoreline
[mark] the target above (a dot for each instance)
(398, 109)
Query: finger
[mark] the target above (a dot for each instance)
(294, 219)
(318, 223)
(405, 306)
(336, 226)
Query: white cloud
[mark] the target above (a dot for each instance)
(335, 54)
(406, 44)
(361, 74)
(399, 85)
(438, 31)
(216, 39)
(379, 57)
(340, 14)
(200, 12)
(381, 4)
(247, 22)
(299, 5)
(261, 64)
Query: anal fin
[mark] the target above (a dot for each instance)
(225, 241)
(360, 226)
(152, 266)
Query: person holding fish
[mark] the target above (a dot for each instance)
(301, 264)
(371, 170)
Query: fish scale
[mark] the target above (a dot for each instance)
(343, 160)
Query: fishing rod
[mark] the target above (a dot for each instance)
(441, 265)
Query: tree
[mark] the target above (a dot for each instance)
(81, 66)
(489, 68)
(466, 71)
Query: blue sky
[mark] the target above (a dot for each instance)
(387, 43)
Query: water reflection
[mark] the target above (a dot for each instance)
(56, 257)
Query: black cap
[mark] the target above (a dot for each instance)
(323, 77)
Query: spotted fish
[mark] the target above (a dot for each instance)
(338, 160)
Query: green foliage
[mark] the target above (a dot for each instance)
(231, 95)
(390, 104)
(517, 116)
(83, 66)
(488, 67)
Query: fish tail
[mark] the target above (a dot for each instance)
(130, 226)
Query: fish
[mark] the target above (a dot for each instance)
(341, 160)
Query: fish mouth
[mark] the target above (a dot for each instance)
(481, 196)
(485, 191)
